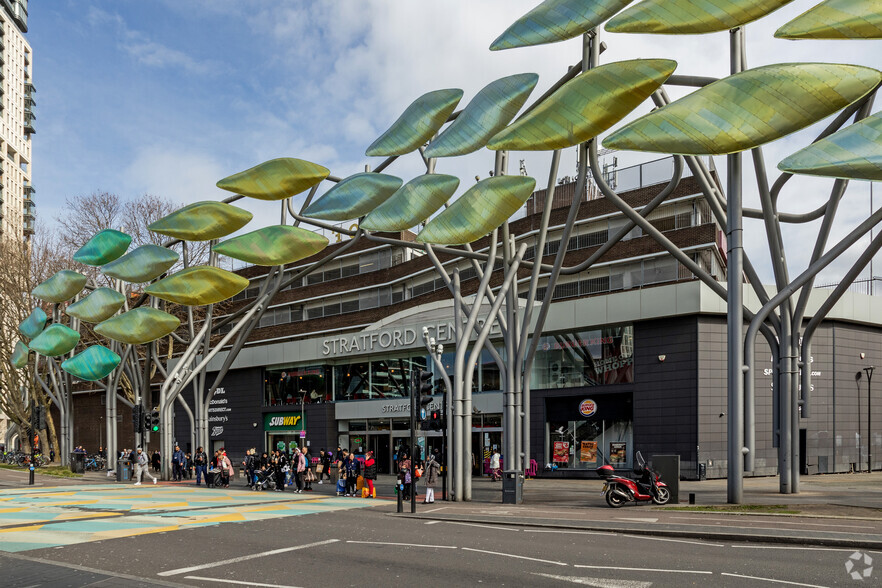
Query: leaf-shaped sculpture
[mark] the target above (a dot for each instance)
(836, 19)
(137, 326)
(56, 340)
(62, 286)
(196, 286)
(98, 306)
(20, 354)
(690, 17)
(141, 264)
(485, 206)
(275, 179)
(747, 109)
(94, 363)
(557, 20)
(274, 245)
(354, 197)
(202, 221)
(585, 106)
(417, 123)
(487, 114)
(413, 203)
(854, 153)
(103, 247)
(33, 324)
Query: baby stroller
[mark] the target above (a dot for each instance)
(264, 480)
(341, 487)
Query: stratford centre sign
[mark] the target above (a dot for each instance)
(385, 339)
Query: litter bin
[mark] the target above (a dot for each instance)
(123, 470)
(512, 487)
(78, 463)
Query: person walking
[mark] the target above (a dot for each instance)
(352, 470)
(248, 464)
(494, 466)
(404, 474)
(226, 468)
(308, 475)
(325, 466)
(370, 473)
(156, 462)
(178, 464)
(200, 461)
(299, 468)
(141, 467)
(430, 473)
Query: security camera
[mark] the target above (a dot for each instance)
(863, 355)
(431, 340)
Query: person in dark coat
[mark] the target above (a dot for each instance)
(178, 464)
(156, 462)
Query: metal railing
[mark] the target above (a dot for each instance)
(869, 286)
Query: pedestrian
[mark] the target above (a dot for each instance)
(248, 464)
(352, 471)
(370, 473)
(308, 475)
(299, 467)
(323, 466)
(404, 474)
(494, 466)
(200, 461)
(430, 473)
(226, 468)
(141, 467)
(178, 464)
(281, 467)
(157, 462)
(339, 456)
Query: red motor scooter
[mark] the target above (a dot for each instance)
(619, 489)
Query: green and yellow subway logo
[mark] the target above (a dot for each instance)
(284, 421)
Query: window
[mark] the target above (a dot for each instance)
(584, 358)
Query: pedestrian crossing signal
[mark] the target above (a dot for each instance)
(154, 421)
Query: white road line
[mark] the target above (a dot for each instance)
(432, 522)
(598, 582)
(792, 548)
(548, 561)
(564, 532)
(772, 580)
(643, 569)
(243, 558)
(237, 582)
(405, 544)
(482, 526)
(435, 509)
(673, 540)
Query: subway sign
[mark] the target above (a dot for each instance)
(287, 421)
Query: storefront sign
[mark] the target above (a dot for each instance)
(281, 421)
(588, 452)
(218, 409)
(587, 407)
(561, 452)
(618, 452)
(405, 407)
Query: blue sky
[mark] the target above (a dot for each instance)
(168, 96)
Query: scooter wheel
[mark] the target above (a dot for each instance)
(614, 500)
(662, 495)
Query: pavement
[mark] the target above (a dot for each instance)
(834, 510)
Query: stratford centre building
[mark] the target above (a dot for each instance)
(632, 356)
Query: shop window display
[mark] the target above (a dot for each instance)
(306, 385)
(584, 358)
(587, 445)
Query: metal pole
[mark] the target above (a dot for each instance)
(869, 371)
(414, 387)
(735, 320)
(455, 424)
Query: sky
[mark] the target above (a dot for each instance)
(166, 97)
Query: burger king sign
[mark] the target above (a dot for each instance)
(587, 407)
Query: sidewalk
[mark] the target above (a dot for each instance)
(843, 510)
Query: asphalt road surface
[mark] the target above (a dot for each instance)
(371, 547)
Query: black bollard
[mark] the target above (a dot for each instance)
(692, 498)
(400, 497)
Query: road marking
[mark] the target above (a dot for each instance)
(237, 582)
(792, 548)
(436, 509)
(674, 540)
(548, 561)
(643, 569)
(482, 526)
(405, 544)
(765, 519)
(598, 582)
(432, 522)
(771, 580)
(570, 532)
(649, 520)
(243, 558)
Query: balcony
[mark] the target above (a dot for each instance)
(29, 89)
(29, 190)
(29, 123)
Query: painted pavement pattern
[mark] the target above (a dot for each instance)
(52, 517)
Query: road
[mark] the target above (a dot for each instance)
(371, 546)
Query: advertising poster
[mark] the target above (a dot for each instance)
(618, 452)
(561, 452)
(588, 452)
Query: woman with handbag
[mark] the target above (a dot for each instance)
(308, 474)
(370, 474)
(404, 475)
(430, 473)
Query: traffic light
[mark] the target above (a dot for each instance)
(145, 421)
(137, 419)
(421, 384)
(154, 420)
(435, 421)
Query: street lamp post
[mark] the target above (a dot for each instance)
(869, 370)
